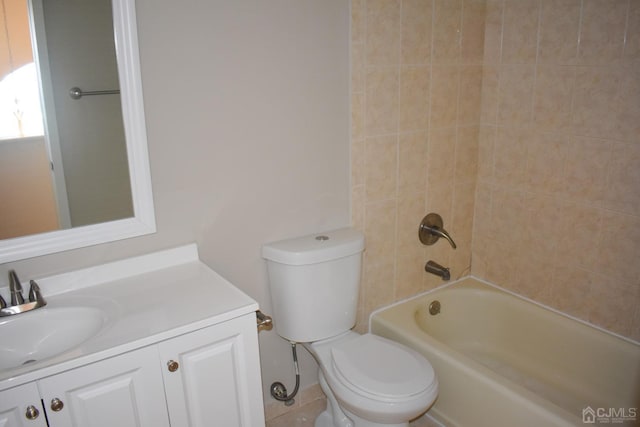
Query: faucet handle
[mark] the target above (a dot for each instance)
(16, 289)
(431, 230)
(35, 295)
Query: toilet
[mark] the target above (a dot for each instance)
(369, 381)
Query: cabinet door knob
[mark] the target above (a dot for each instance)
(56, 404)
(32, 412)
(172, 365)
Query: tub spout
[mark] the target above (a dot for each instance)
(435, 268)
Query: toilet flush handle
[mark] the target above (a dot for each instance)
(264, 322)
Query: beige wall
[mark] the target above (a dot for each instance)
(416, 85)
(558, 203)
(556, 158)
(247, 115)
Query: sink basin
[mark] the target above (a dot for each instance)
(45, 332)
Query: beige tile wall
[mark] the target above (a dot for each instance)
(526, 112)
(416, 87)
(558, 201)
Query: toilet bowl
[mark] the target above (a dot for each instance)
(374, 381)
(369, 381)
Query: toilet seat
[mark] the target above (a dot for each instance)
(366, 374)
(380, 369)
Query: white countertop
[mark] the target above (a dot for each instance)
(145, 300)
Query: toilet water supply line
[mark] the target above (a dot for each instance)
(279, 391)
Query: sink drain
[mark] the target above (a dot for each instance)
(28, 361)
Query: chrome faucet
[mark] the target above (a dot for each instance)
(18, 304)
(435, 268)
(15, 288)
(34, 292)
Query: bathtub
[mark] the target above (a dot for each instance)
(502, 360)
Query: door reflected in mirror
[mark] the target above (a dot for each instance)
(63, 160)
(92, 163)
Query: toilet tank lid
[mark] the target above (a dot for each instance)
(315, 248)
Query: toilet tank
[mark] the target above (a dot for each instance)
(314, 283)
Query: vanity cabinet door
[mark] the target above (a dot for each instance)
(21, 407)
(212, 376)
(123, 391)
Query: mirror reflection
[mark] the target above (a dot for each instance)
(63, 159)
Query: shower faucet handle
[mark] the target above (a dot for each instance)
(443, 233)
(431, 229)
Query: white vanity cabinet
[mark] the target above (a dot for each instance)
(124, 391)
(207, 377)
(21, 407)
(178, 348)
(212, 376)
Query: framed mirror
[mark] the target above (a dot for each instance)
(122, 95)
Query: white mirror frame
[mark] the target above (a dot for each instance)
(143, 221)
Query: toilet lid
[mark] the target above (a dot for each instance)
(381, 367)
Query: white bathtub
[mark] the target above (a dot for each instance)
(504, 361)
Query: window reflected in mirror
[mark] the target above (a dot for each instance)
(20, 112)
